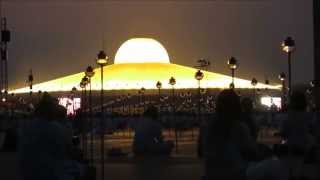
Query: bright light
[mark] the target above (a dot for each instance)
(141, 63)
(141, 50)
(4, 100)
(269, 101)
(72, 105)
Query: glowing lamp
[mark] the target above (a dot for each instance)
(172, 81)
(74, 90)
(254, 82)
(288, 45)
(232, 62)
(312, 83)
(85, 80)
(199, 75)
(142, 90)
(89, 72)
(102, 58)
(82, 85)
(159, 85)
(282, 76)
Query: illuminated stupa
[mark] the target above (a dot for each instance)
(141, 62)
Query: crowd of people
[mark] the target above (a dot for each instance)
(228, 142)
(231, 149)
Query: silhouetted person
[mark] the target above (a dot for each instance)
(296, 130)
(148, 139)
(229, 141)
(46, 145)
(247, 117)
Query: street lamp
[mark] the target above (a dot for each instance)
(199, 76)
(73, 92)
(30, 81)
(90, 73)
(288, 46)
(254, 83)
(83, 85)
(172, 82)
(282, 78)
(102, 60)
(233, 65)
(159, 86)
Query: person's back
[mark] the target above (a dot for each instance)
(228, 159)
(297, 128)
(229, 140)
(45, 144)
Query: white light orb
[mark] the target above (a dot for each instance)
(141, 50)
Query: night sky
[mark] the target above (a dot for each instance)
(63, 37)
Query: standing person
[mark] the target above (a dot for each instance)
(46, 145)
(229, 141)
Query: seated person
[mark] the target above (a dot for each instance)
(148, 139)
(296, 130)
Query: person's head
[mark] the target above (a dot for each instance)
(298, 102)
(228, 111)
(228, 103)
(246, 105)
(151, 112)
(48, 108)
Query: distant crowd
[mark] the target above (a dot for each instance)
(49, 149)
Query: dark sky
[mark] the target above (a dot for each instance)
(62, 37)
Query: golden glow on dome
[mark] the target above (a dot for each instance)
(141, 50)
(136, 76)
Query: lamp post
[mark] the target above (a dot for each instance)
(254, 83)
(129, 103)
(90, 73)
(83, 85)
(142, 91)
(30, 81)
(102, 60)
(172, 82)
(233, 65)
(288, 46)
(199, 76)
(73, 92)
(282, 78)
(159, 86)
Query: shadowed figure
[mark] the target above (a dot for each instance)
(247, 117)
(46, 145)
(148, 138)
(229, 141)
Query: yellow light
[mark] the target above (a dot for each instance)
(141, 50)
(135, 76)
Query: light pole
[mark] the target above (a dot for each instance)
(254, 83)
(102, 60)
(282, 78)
(159, 86)
(73, 92)
(233, 65)
(172, 82)
(142, 91)
(30, 82)
(83, 85)
(199, 76)
(90, 73)
(288, 46)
